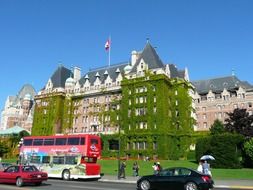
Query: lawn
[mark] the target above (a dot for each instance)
(109, 167)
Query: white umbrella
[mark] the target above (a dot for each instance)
(207, 157)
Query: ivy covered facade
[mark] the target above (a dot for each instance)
(156, 117)
(144, 103)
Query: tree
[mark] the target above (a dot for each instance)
(248, 147)
(217, 128)
(3, 149)
(239, 121)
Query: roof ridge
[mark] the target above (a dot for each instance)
(111, 66)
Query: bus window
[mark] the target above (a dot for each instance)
(73, 141)
(46, 159)
(28, 142)
(82, 142)
(93, 141)
(58, 159)
(35, 159)
(71, 160)
(37, 142)
(60, 141)
(86, 159)
(48, 142)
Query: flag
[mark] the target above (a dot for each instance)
(107, 45)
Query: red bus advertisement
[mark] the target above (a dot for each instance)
(63, 156)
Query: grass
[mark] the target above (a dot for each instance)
(110, 167)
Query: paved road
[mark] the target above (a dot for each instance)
(53, 184)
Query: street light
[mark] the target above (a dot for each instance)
(119, 153)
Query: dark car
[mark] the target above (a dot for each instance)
(20, 174)
(177, 178)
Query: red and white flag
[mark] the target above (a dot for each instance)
(107, 45)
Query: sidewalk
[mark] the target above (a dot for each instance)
(230, 183)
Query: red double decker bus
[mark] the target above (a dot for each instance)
(63, 156)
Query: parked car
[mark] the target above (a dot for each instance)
(4, 165)
(21, 174)
(178, 178)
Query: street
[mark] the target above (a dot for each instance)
(53, 184)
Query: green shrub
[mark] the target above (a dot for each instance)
(225, 148)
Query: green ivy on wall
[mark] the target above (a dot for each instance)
(167, 116)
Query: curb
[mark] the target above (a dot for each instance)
(215, 186)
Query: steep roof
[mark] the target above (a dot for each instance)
(60, 76)
(103, 72)
(218, 84)
(150, 57)
(174, 72)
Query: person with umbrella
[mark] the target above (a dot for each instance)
(206, 165)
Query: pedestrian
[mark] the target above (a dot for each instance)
(159, 167)
(200, 166)
(155, 168)
(122, 170)
(206, 168)
(135, 169)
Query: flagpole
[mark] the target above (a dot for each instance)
(109, 59)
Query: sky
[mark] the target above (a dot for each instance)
(210, 38)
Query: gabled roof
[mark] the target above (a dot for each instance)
(150, 57)
(60, 76)
(112, 71)
(218, 84)
(12, 130)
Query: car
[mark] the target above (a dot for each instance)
(21, 174)
(176, 178)
(4, 165)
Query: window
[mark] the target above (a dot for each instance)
(93, 141)
(46, 159)
(35, 159)
(60, 141)
(48, 142)
(73, 141)
(28, 142)
(71, 160)
(58, 160)
(82, 142)
(37, 142)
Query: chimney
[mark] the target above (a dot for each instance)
(77, 73)
(134, 57)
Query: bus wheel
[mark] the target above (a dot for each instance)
(66, 174)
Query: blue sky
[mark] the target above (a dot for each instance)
(210, 38)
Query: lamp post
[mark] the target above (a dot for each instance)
(119, 153)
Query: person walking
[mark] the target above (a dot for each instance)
(135, 169)
(206, 168)
(159, 167)
(155, 168)
(122, 170)
(200, 167)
